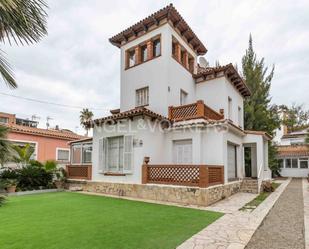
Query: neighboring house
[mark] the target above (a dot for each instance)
(48, 144)
(179, 114)
(293, 153)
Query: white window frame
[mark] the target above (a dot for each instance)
(66, 149)
(7, 120)
(104, 155)
(142, 96)
(28, 142)
(303, 159)
(183, 97)
(175, 144)
(81, 154)
(107, 155)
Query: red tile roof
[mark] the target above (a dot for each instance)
(88, 139)
(229, 71)
(138, 111)
(61, 134)
(263, 133)
(171, 14)
(293, 151)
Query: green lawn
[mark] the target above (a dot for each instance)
(76, 221)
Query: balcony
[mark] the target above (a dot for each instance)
(193, 111)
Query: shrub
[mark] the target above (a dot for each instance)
(9, 174)
(50, 165)
(36, 163)
(31, 177)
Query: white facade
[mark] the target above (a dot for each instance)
(187, 142)
(293, 153)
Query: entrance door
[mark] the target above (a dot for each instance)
(248, 162)
(182, 151)
(232, 161)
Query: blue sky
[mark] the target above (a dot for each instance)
(76, 65)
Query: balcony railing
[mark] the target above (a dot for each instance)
(193, 111)
(201, 176)
(81, 172)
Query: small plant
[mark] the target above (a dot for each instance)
(10, 185)
(60, 175)
(268, 187)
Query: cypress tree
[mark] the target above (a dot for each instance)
(259, 114)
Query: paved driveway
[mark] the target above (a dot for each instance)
(283, 227)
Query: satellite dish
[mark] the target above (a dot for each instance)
(203, 62)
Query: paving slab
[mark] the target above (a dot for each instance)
(235, 229)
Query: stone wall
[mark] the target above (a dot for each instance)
(249, 186)
(168, 193)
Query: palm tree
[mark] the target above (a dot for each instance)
(4, 146)
(23, 154)
(85, 116)
(22, 21)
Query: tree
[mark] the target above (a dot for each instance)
(259, 114)
(4, 146)
(294, 117)
(85, 116)
(307, 138)
(23, 154)
(22, 21)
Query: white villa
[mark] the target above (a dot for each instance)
(293, 153)
(180, 122)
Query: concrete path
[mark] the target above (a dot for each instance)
(235, 229)
(283, 227)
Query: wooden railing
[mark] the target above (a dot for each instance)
(201, 176)
(193, 111)
(82, 172)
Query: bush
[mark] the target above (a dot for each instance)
(9, 174)
(31, 177)
(36, 163)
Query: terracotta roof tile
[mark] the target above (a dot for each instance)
(263, 133)
(139, 111)
(61, 134)
(229, 71)
(293, 150)
(171, 14)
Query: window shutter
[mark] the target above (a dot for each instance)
(128, 154)
(102, 155)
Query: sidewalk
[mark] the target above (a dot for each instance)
(306, 211)
(283, 227)
(235, 229)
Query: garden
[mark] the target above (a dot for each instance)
(25, 174)
(69, 220)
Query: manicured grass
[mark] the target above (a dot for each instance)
(77, 221)
(260, 198)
